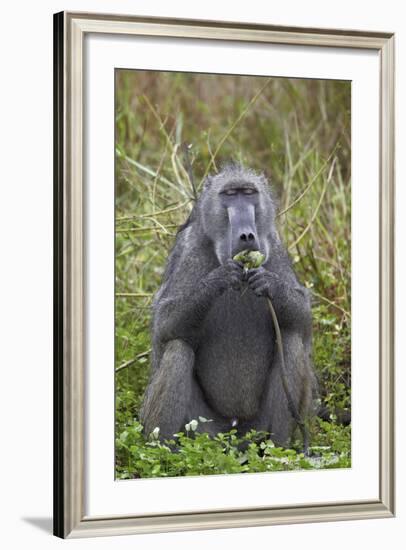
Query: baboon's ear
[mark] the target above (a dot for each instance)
(266, 176)
(207, 182)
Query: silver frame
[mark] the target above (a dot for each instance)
(69, 32)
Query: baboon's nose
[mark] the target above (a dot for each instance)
(247, 237)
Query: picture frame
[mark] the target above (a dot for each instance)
(70, 328)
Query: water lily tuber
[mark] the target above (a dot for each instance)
(250, 258)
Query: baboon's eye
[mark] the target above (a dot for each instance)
(249, 191)
(230, 192)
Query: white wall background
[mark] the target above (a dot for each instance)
(26, 271)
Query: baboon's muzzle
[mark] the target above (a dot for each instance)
(243, 228)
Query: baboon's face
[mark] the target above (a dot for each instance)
(237, 215)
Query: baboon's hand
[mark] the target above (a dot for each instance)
(263, 282)
(228, 275)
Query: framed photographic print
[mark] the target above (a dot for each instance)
(224, 294)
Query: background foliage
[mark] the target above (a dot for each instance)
(298, 133)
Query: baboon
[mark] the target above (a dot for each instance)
(214, 353)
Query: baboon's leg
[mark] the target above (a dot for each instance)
(275, 415)
(169, 390)
(173, 396)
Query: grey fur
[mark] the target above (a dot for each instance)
(214, 352)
